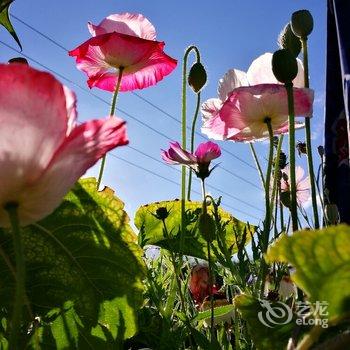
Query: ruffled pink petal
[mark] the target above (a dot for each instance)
(299, 173)
(144, 61)
(71, 105)
(177, 155)
(207, 151)
(233, 79)
(33, 117)
(260, 72)
(86, 144)
(210, 107)
(126, 23)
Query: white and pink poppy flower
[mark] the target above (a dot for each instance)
(42, 150)
(247, 99)
(198, 161)
(126, 41)
(302, 184)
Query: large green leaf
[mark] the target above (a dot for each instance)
(85, 253)
(276, 332)
(193, 244)
(322, 262)
(5, 19)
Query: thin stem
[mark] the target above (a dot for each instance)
(267, 221)
(308, 137)
(257, 164)
(293, 204)
(111, 114)
(193, 130)
(11, 209)
(183, 136)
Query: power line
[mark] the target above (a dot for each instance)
(84, 89)
(53, 41)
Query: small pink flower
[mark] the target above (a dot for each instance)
(199, 161)
(125, 41)
(302, 184)
(246, 99)
(42, 150)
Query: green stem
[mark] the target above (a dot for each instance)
(257, 164)
(193, 130)
(111, 114)
(183, 137)
(267, 221)
(11, 209)
(293, 204)
(308, 137)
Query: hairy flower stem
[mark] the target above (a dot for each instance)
(267, 221)
(293, 201)
(210, 266)
(193, 130)
(11, 209)
(111, 114)
(257, 164)
(308, 136)
(176, 271)
(184, 138)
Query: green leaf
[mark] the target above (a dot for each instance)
(322, 262)
(218, 311)
(193, 244)
(5, 19)
(273, 336)
(85, 253)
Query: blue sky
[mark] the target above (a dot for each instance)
(229, 34)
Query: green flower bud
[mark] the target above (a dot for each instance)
(287, 40)
(302, 23)
(207, 227)
(284, 66)
(197, 77)
(285, 198)
(332, 214)
(162, 213)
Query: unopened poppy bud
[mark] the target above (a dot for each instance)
(301, 148)
(289, 41)
(18, 60)
(284, 66)
(197, 77)
(206, 226)
(332, 214)
(283, 160)
(302, 23)
(162, 213)
(320, 150)
(285, 198)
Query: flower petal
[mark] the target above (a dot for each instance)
(260, 72)
(86, 144)
(33, 119)
(126, 23)
(177, 155)
(233, 79)
(71, 105)
(207, 151)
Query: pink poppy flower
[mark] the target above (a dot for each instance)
(42, 150)
(302, 184)
(123, 41)
(199, 161)
(246, 99)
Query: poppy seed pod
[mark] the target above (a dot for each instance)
(289, 41)
(284, 66)
(20, 60)
(162, 213)
(197, 77)
(302, 23)
(207, 227)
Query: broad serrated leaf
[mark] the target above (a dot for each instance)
(273, 335)
(5, 19)
(84, 253)
(322, 262)
(193, 244)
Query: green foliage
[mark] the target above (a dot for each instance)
(218, 311)
(5, 19)
(192, 243)
(84, 269)
(322, 260)
(275, 337)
